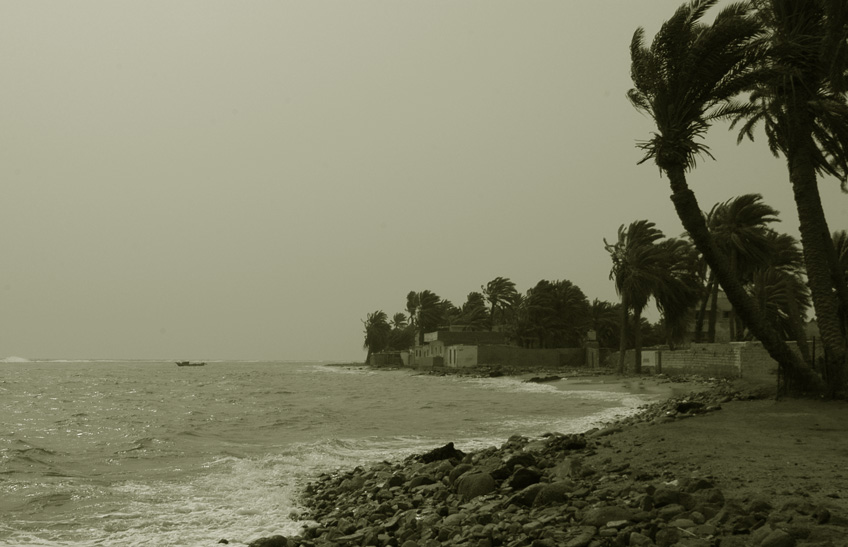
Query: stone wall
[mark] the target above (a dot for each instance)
(514, 356)
(748, 360)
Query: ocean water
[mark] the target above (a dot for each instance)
(138, 453)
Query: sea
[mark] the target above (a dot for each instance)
(143, 453)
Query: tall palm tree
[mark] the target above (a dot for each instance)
(500, 292)
(377, 330)
(684, 81)
(800, 99)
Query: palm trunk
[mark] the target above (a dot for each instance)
(622, 345)
(796, 323)
(637, 341)
(801, 377)
(699, 321)
(731, 323)
(813, 225)
(711, 328)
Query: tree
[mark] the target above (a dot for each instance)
(429, 311)
(557, 313)
(377, 330)
(474, 314)
(687, 79)
(678, 294)
(645, 266)
(399, 321)
(605, 320)
(500, 293)
(799, 97)
(740, 226)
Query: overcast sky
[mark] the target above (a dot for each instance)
(247, 180)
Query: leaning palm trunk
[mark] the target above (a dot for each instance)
(799, 376)
(802, 175)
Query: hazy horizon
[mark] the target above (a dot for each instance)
(217, 180)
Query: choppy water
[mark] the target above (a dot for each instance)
(148, 453)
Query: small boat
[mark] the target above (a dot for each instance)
(189, 364)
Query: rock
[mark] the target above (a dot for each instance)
(665, 496)
(555, 492)
(526, 497)
(669, 512)
(524, 477)
(569, 467)
(690, 407)
(446, 452)
(458, 471)
(421, 480)
(778, 538)
(581, 537)
(471, 485)
(525, 459)
(273, 541)
(668, 537)
(639, 540)
(600, 516)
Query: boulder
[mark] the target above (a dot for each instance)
(524, 477)
(273, 541)
(458, 471)
(471, 485)
(446, 452)
(555, 492)
(600, 516)
(526, 497)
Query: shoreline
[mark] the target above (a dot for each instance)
(687, 470)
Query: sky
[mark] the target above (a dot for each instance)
(248, 180)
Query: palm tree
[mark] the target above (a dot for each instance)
(558, 313)
(475, 315)
(399, 321)
(606, 322)
(640, 269)
(499, 292)
(377, 330)
(800, 99)
(429, 313)
(687, 79)
(678, 294)
(740, 227)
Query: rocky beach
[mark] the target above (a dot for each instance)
(722, 465)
